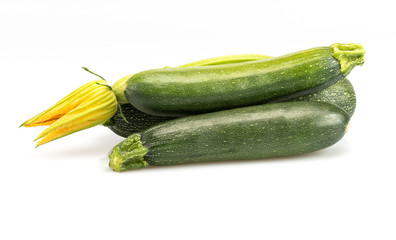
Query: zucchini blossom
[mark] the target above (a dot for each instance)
(89, 105)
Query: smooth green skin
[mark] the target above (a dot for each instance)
(137, 120)
(340, 94)
(118, 87)
(255, 132)
(194, 90)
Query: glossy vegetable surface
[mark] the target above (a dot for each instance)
(255, 132)
(193, 90)
(340, 94)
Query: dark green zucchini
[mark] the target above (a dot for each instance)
(341, 94)
(136, 120)
(193, 90)
(254, 132)
(118, 87)
(128, 119)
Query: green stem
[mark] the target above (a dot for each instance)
(349, 56)
(86, 69)
(106, 85)
(120, 110)
(128, 154)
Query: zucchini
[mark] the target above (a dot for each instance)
(254, 132)
(184, 91)
(341, 94)
(118, 87)
(128, 120)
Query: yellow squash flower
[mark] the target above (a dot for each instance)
(88, 106)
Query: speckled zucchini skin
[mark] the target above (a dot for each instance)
(194, 90)
(255, 132)
(137, 121)
(340, 94)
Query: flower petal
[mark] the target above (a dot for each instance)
(87, 106)
(63, 106)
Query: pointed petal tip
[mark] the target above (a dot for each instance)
(88, 106)
(24, 124)
(38, 145)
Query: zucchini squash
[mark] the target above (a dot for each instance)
(340, 94)
(179, 91)
(200, 87)
(128, 119)
(118, 87)
(254, 132)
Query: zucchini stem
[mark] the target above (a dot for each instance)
(128, 154)
(349, 56)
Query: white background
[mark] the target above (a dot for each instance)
(65, 190)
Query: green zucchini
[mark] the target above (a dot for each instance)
(184, 91)
(254, 132)
(128, 120)
(341, 94)
(118, 87)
